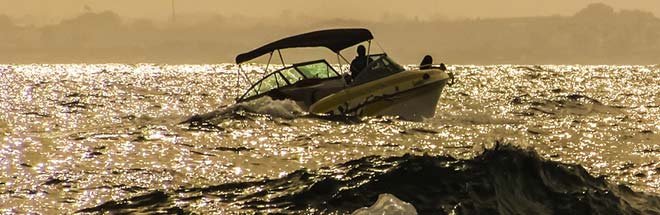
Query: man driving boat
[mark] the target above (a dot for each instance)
(360, 61)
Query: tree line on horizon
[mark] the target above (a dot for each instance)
(598, 34)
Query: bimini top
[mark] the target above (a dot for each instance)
(333, 39)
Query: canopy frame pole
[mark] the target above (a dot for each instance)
(281, 58)
(369, 48)
(240, 69)
(345, 60)
(342, 57)
(339, 62)
(366, 62)
(270, 57)
(268, 64)
(378, 44)
(238, 80)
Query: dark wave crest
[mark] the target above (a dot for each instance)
(502, 180)
(572, 104)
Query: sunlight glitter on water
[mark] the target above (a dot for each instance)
(75, 136)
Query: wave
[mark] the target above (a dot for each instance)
(502, 180)
(287, 109)
(264, 106)
(573, 104)
(278, 108)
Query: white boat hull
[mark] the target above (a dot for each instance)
(412, 95)
(415, 105)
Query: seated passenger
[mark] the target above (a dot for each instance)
(426, 63)
(360, 61)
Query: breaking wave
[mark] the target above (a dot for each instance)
(277, 108)
(501, 180)
(287, 109)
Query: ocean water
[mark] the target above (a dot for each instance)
(507, 139)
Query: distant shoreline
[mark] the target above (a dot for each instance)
(595, 35)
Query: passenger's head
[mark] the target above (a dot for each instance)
(361, 51)
(428, 60)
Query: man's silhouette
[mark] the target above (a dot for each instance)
(360, 61)
(426, 63)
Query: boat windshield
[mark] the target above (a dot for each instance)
(380, 66)
(319, 69)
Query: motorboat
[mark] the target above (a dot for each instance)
(382, 88)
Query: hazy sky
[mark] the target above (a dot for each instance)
(51, 11)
